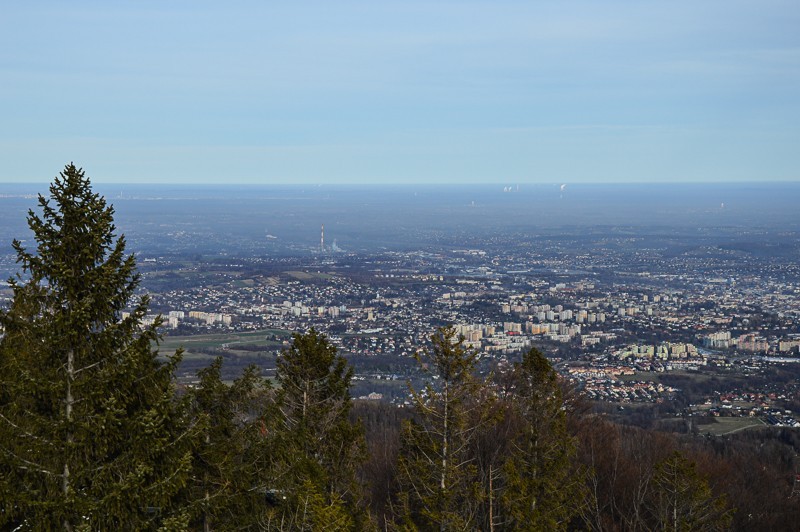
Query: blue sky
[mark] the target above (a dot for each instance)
(372, 92)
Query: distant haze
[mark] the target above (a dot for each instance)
(264, 220)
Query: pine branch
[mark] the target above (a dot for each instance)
(31, 466)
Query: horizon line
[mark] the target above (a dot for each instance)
(511, 184)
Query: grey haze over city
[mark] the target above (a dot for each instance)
(267, 220)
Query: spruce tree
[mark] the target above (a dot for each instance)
(542, 490)
(230, 470)
(91, 435)
(317, 448)
(682, 500)
(438, 477)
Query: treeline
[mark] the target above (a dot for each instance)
(611, 476)
(96, 435)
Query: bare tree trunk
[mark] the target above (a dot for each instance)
(305, 399)
(65, 486)
(443, 481)
(206, 520)
(491, 500)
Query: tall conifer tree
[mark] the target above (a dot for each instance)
(682, 499)
(437, 473)
(91, 435)
(230, 470)
(317, 447)
(542, 490)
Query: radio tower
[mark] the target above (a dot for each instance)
(322, 239)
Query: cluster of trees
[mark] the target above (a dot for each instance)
(95, 433)
(485, 454)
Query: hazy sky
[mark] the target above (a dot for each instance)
(412, 91)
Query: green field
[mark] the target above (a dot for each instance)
(308, 276)
(237, 349)
(729, 425)
(196, 346)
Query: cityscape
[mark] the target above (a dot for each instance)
(679, 323)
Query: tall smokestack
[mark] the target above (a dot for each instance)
(322, 239)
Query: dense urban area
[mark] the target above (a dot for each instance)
(701, 331)
(672, 323)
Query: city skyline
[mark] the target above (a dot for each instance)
(358, 93)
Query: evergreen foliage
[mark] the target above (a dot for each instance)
(230, 468)
(543, 491)
(309, 509)
(437, 473)
(682, 499)
(91, 435)
(317, 449)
